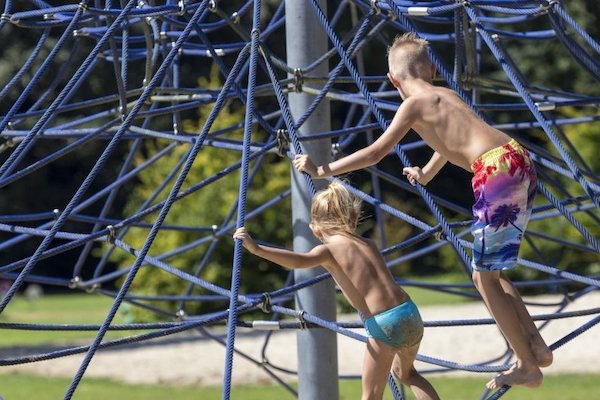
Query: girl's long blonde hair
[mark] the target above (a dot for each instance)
(335, 209)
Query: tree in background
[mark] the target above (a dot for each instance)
(209, 206)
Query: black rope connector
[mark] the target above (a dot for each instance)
(298, 80)
(303, 324)
(235, 18)
(283, 141)
(111, 236)
(55, 213)
(266, 305)
(212, 6)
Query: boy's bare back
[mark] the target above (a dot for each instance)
(447, 124)
(357, 267)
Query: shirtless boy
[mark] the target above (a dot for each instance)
(504, 185)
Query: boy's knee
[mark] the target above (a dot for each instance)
(476, 276)
(482, 278)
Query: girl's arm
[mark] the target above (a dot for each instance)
(319, 255)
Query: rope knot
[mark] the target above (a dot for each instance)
(283, 141)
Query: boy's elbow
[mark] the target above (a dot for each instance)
(374, 155)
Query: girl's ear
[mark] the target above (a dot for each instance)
(316, 231)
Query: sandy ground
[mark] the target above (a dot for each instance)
(185, 359)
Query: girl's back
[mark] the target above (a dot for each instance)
(361, 273)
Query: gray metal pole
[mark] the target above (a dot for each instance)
(317, 348)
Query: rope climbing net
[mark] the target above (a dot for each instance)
(143, 48)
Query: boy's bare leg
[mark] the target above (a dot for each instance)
(404, 370)
(540, 349)
(376, 369)
(526, 371)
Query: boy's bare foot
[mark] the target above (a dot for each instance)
(517, 376)
(541, 352)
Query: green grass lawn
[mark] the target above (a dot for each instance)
(428, 297)
(27, 387)
(82, 308)
(56, 309)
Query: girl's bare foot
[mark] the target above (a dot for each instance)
(541, 352)
(517, 376)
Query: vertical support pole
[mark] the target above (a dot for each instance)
(317, 348)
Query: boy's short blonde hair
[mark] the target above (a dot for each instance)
(408, 57)
(335, 209)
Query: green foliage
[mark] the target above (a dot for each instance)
(586, 140)
(211, 205)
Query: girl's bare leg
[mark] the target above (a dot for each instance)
(404, 370)
(376, 369)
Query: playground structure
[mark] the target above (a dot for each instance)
(158, 39)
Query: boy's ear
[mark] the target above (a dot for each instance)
(433, 71)
(393, 81)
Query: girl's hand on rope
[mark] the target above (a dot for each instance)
(303, 164)
(414, 175)
(246, 239)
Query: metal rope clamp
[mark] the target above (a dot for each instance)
(549, 4)
(303, 324)
(375, 7)
(214, 234)
(111, 235)
(283, 141)
(181, 6)
(439, 234)
(266, 305)
(298, 80)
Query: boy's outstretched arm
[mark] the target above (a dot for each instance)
(425, 175)
(319, 255)
(405, 116)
